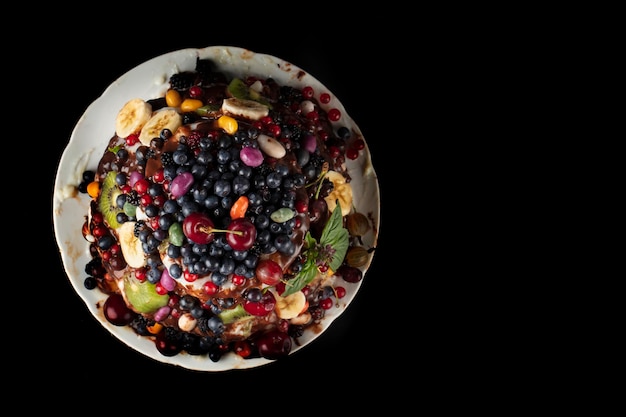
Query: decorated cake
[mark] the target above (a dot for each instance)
(222, 216)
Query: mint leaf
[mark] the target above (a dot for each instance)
(335, 235)
(307, 274)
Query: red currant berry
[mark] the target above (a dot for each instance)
(173, 301)
(352, 153)
(210, 288)
(327, 303)
(140, 274)
(145, 199)
(274, 130)
(141, 186)
(158, 287)
(196, 92)
(324, 98)
(238, 280)
(308, 92)
(159, 175)
(313, 115)
(280, 287)
(99, 231)
(301, 206)
(283, 325)
(159, 200)
(334, 115)
(242, 348)
(132, 139)
(340, 292)
(189, 277)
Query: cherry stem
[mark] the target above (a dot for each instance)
(209, 230)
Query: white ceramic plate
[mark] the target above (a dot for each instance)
(95, 128)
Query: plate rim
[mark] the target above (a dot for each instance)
(294, 76)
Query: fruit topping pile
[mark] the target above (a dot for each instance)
(221, 216)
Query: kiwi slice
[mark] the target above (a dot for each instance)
(238, 89)
(234, 314)
(143, 296)
(107, 200)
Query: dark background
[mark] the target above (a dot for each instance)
(363, 341)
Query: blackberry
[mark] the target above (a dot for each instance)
(172, 335)
(95, 268)
(289, 95)
(264, 169)
(167, 159)
(204, 65)
(190, 117)
(202, 325)
(295, 331)
(140, 325)
(317, 160)
(193, 139)
(191, 344)
(133, 198)
(139, 226)
(292, 132)
(207, 79)
(182, 80)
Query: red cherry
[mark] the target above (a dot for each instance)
(262, 307)
(116, 311)
(199, 228)
(269, 272)
(243, 240)
(274, 344)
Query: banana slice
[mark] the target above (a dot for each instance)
(167, 118)
(131, 245)
(290, 306)
(249, 109)
(342, 191)
(132, 117)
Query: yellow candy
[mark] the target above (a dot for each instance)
(227, 123)
(191, 104)
(173, 98)
(93, 189)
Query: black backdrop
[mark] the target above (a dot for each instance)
(76, 347)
